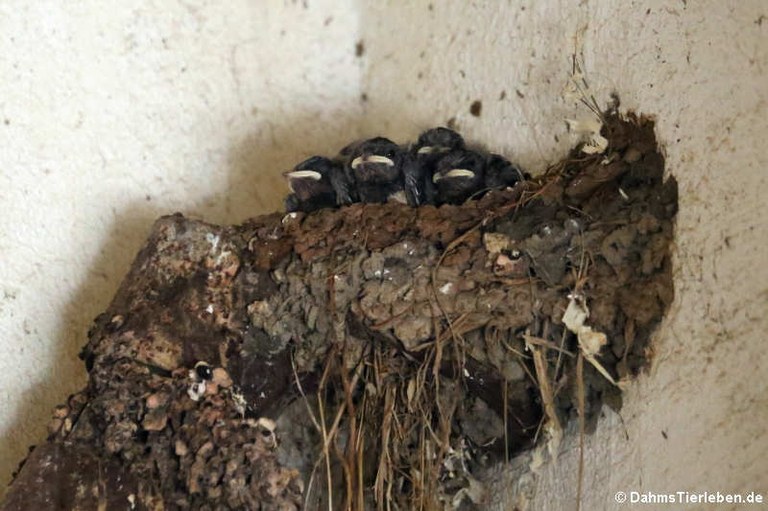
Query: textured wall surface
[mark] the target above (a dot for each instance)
(111, 116)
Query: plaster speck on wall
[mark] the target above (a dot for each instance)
(112, 116)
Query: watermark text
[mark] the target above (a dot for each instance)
(687, 497)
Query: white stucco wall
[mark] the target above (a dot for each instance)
(113, 115)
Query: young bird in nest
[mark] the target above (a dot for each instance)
(501, 173)
(459, 175)
(311, 182)
(419, 166)
(376, 165)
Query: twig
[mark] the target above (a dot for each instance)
(547, 397)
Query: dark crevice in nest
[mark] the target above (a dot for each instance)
(377, 355)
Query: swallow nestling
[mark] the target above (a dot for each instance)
(438, 140)
(419, 167)
(501, 173)
(458, 175)
(376, 166)
(342, 180)
(311, 184)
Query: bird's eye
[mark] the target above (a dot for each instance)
(203, 370)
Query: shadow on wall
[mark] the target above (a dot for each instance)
(254, 186)
(67, 372)
(256, 163)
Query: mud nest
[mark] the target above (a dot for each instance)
(377, 355)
